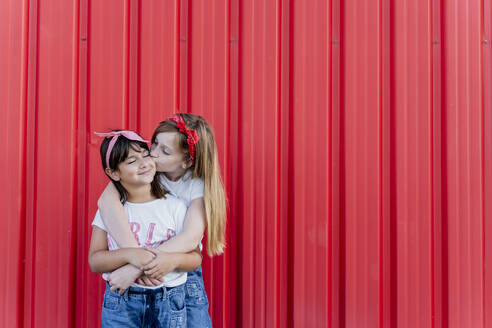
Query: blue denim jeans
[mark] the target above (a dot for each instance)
(196, 301)
(140, 307)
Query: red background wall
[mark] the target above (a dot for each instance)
(355, 141)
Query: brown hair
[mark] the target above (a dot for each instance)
(206, 167)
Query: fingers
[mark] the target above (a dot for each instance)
(122, 291)
(155, 275)
(147, 281)
(155, 281)
(151, 271)
(149, 266)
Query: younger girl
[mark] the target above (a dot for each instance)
(184, 150)
(155, 218)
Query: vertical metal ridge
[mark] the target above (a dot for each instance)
(431, 159)
(329, 187)
(237, 33)
(74, 161)
(444, 173)
(284, 183)
(31, 158)
(227, 78)
(81, 318)
(380, 163)
(342, 175)
(139, 69)
(487, 151)
(233, 141)
(262, 189)
(132, 73)
(177, 14)
(278, 145)
(299, 124)
(392, 162)
(291, 180)
(126, 63)
(482, 72)
(189, 54)
(25, 97)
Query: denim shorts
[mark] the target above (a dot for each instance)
(140, 307)
(196, 301)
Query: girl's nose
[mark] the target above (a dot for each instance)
(144, 162)
(153, 151)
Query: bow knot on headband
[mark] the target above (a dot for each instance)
(130, 135)
(191, 135)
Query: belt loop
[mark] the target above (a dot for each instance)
(164, 292)
(125, 294)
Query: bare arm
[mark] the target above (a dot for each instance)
(193, 228)
(114, 217)
(167, 262)
(103, 260)
(188, 261)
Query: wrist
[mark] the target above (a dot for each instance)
(147, 257)
(144, 257)
(136, 272)
(138, 257)
(175, 259)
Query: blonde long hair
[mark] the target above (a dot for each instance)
(207, 168)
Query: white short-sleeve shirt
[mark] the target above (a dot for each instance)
(186, 188)
(153, 223)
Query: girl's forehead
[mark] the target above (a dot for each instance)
(168, 139)
(134, 150)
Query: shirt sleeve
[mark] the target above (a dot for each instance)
(197, 189)
(98, 222)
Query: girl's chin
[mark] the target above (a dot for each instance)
(146, 179)
(149, 179)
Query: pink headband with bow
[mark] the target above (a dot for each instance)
(115, 134)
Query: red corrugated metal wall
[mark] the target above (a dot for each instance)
(355, 142)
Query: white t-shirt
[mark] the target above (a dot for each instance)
(186, 188)
(152, 223)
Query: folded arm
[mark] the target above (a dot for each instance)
(114, 218)
(102, 260)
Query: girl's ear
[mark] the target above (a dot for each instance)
(115, 175)
(186, 164)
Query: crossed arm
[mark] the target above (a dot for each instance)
(126, 263)
(167, 257)
(102, 260)
(114, 218)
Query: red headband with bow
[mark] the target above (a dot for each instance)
(191, 135)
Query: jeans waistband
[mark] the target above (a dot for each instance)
(159, 293)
